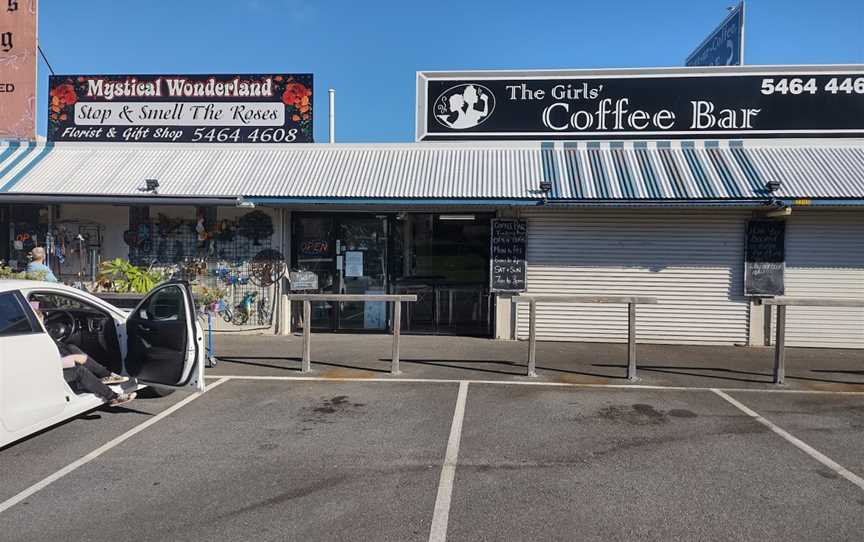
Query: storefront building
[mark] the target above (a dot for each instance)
(415, 218)
(669, 217)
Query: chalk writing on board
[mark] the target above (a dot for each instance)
(507, 261)
(765, 256)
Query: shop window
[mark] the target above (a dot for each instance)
(4, 233)
(29, 227)
(444, 260)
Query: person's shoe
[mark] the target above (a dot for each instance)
(123, 398)
(114, 378)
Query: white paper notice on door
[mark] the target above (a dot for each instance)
(353, 263)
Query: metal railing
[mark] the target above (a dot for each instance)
(630, 301)
(307, 300)
(780, 341)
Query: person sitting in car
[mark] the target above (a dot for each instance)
(85, 373)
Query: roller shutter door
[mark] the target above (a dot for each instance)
(690, 260)
(824, 258)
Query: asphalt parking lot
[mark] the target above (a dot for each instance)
(276, 458)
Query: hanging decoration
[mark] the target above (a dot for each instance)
(256, 225)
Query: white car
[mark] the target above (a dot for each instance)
(159, 344)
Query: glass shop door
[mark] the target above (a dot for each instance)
(315, 251)
(348, 253)
(361, 267)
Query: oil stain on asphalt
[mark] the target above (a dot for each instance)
(326, 410)
(642, 414)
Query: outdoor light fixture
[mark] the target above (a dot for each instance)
(772, 186)
(546, 188)
(150, 185)
(456, 217)
(243, 203)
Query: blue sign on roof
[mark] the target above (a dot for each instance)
(724, 46)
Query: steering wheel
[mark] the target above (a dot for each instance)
(61, 325)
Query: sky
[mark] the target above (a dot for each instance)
(370, 51)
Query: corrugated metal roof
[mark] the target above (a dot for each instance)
(17, 158)
(581, 171)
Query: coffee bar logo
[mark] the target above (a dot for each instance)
(464, 106)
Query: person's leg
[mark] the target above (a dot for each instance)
(96, 368)
(87, 381)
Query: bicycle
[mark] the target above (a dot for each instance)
(224, 310)
(244, 309)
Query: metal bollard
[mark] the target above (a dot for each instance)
(307, 337)
(397, 328)
(631, 341)
(532, 339)
(780, 347)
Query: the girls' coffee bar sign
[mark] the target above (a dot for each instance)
(784, 101)
(275, 108)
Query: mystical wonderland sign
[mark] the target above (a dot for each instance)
(717, 102)
(275, 108)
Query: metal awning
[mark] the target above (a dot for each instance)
(17, 158)
(709, 172)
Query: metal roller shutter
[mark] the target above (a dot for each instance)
(824, 258)
(690, 260)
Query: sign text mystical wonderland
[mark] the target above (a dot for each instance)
(274, 108)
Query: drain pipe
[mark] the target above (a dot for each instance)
(332, 93)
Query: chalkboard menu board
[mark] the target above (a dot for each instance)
(507, 255)
(765, 258)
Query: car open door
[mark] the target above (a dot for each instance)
(164, 343)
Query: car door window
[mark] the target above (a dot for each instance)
(56, 301)
(165, 305)
(14, 317)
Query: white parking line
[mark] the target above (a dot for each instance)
(438, 530)
(45, 482)
(798, 443)
(531, 383)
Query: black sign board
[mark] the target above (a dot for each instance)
(647, 104)
(765, 258)
(507, 255)
(271, 108)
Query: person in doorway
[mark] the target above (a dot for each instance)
(37, 264)
(85, 373)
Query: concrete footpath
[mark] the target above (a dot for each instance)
(462, 358)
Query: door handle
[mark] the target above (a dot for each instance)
(142, 327)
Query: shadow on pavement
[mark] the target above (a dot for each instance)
(766, 378)
(468, 365)
(245, 361)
